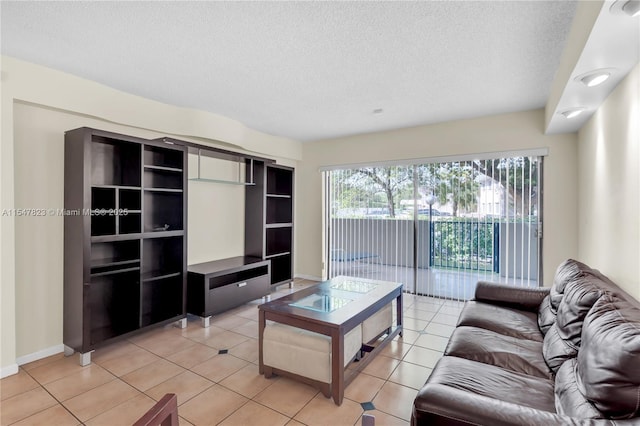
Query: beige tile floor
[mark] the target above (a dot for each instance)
(126, 378)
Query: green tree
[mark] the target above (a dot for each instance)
(455, 183)
(391, 181)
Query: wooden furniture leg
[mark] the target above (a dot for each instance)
(337, 365)
(261, 324)
(163, 413)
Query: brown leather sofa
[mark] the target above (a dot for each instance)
(565, 355)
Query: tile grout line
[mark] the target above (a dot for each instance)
(246, 319)
(52, 396)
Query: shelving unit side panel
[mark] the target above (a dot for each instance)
(77, 192)
(255, 213)
(185, 216)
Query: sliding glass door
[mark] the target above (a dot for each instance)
(370, 235)
(436, 226)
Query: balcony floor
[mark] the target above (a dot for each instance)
(455, 284)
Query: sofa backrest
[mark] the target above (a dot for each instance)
(567, 272)
(608, 362)
(612, 288)
(562, 341)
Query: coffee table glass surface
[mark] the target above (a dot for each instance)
(321, 302)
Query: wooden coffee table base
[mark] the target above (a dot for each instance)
(325, 388)
(280, 312)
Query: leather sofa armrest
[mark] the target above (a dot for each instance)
(438, 404)
(526, 298)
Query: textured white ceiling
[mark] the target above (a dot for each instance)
(305, 70)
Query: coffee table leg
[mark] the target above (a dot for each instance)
(268, 372)
(399, 312)
(261, 323)
(337, 365)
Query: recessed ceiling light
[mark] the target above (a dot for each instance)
(629, 7)
(595, 77)
(632, 8)
(572, 112)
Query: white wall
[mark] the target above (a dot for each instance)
(215, 222)
(609, 186)
(38, 105)
(506, 132)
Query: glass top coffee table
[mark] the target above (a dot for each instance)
(333, 308)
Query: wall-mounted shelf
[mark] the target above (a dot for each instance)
(247, 164)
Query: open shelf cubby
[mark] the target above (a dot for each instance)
(279, 210)
(114, 256)
(103, 224)
(162, 178)
(280, 268)
(278, 241)
(129, 199)
(115, 162)
(161, 299)
(279, 181)
(129, 223)
(163, 211)
(163, 158)
(103, 198)
(114, 301)
(236, 277)
(162, 257)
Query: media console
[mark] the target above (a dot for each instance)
(219, 285)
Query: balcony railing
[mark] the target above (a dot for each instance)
(496, 246)
(463, 244)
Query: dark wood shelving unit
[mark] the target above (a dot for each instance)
(125, 260)
(269, 220)
(132, 194)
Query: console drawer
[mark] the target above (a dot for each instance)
(229, 296)
(216, 286)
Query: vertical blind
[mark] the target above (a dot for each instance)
(436, 226)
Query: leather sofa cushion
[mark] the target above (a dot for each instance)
(546, 315)
(562, 341)
(511, 353)
(555, 350)
(493, 382)
(569, 400)
(608, 366)
(501, 319)
(567, 272)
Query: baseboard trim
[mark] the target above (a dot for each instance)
(309, 277)
(25, 359)
(9, 370)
